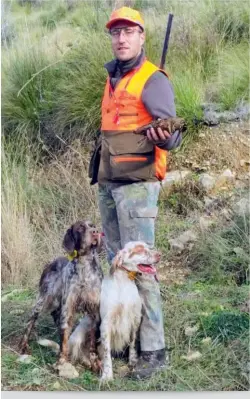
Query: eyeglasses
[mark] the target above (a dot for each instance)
(128, 32)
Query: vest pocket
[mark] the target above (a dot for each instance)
(130, 157)
(132, 167)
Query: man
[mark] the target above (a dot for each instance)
(132, 165)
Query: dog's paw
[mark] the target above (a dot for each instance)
(66, 370)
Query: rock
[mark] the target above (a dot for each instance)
(239, 251)
(123, 371)
(207, 181)
(11, 294)
(206, 341)
(36, 381)
(242, 207)
(56, 386)
(25, 359)
(178, 244)
(243, 162)
(226, 213)
(188, 236)
(67, 370)
(227, 177)
(190, 331)
(175, 176)
(211, 182)
(245, 307)
(192, 355)
(209, 201)
(17, 311)
(213, 113)
(205, 222)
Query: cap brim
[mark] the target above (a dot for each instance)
(110, 23)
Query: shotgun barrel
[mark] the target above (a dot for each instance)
(166, 41)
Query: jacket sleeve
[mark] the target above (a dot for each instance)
(158, 99)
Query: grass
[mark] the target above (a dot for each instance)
(222, 365)
(37, 206)
(223, 253)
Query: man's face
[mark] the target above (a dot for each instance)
(126, 43)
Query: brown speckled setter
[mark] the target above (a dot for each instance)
(70, 286)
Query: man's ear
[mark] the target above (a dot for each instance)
(142, 38)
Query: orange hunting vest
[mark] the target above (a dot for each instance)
(126, 155)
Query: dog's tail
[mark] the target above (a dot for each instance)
(49, 344)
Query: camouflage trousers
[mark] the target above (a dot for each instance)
(128, 213)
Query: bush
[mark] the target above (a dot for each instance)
(225, 326)
(184, 197)
(222, 254)
(28, 91)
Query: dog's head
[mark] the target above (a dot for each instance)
(136, 256)
(81, 237)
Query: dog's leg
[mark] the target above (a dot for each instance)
(56, 316)
(93, 356)
(66, 323)
(132, 350)
(107, 373)
(37, 309)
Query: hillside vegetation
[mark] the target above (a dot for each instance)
(52, 82)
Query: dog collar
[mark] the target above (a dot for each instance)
(131, 275)
(72, 256)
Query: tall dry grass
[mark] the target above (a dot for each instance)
(38, 205)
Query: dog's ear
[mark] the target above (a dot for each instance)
(69, 240)
(116, 262)
(73, 236)
(100, 244)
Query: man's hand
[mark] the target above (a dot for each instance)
(157, 135)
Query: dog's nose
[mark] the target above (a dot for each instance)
(95, 231)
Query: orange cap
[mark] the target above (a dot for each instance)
(126, 14)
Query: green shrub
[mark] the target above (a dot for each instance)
(28, 90)
(222, 254)
(225, 326)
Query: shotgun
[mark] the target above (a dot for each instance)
(166, 41)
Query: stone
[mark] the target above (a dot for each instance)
(207, 181)
(192, 355)
(175, 176)
(242, 207)
(56, 386)
(176, 245)
(17, 312)
(205, 222)
(226, 177)
(67, 370)
(190, 331)
(25, 359)
(206, 341)
(226, 213)
(180, 243)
